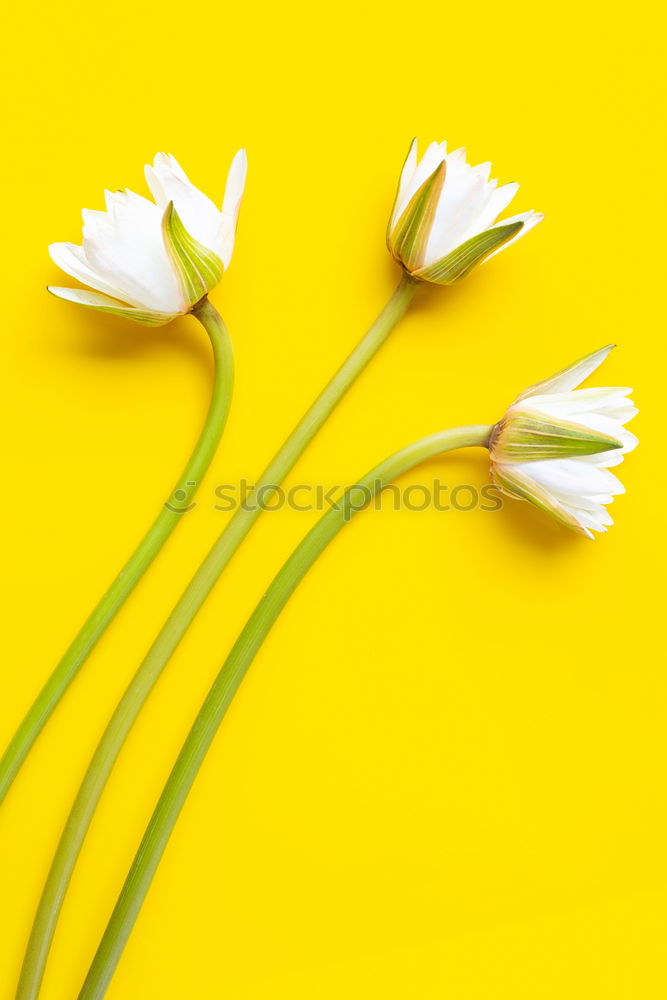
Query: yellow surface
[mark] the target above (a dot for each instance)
(445, 774)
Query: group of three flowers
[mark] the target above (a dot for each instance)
(151, 261)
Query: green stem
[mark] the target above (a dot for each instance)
(141, 558)
(173, 630)
(227, 682)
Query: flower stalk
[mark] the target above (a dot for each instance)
(228, 681)
(152, 542)
(179, 620)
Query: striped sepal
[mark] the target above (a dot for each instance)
(409, 236)
(459, 262)
(531, 437)
(199, 269)
(106, 304)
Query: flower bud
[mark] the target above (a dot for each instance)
(152, 261)
(556, 443)
(444, 218)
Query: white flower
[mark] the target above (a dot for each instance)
(444, 217)
(556, 443)
(152, 261)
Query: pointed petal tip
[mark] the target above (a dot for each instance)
(531, 219)
(77, 295)
(240, 164)
(168, 162)
(602, 353)
(413, 147)
(169, 216)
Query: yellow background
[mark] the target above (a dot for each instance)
(445, 774)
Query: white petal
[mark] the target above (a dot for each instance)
(571, 478)
(496, 202)
(554, 494)
(484, 170)
(529, 219)
(605, 459)
(594, 398)
(517, 481)
(72, 260)
(430, 161)
(168, 182)
(83, 297)
(598, 521)
(462, 191)
(580, 404)
(231, 205)
(570, 377)
(126, 248)
(462, 199)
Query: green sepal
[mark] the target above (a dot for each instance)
(407, 239)
(413, 146)
(531, 437)
(106, 304)
(459, 262)
(199, 269)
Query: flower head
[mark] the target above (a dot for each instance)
(556, 443)
(151, 261)
(444, 218)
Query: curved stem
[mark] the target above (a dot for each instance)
(141, 558)
(227, 682)
(173, 630)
